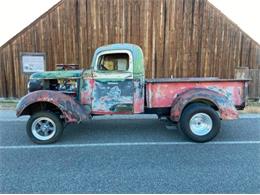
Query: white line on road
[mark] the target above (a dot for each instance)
(126, 144)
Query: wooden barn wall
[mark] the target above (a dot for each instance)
(180, 38)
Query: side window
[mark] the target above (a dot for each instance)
(113, 62)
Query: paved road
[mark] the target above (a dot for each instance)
(131, 156)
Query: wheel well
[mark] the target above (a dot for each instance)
(203, 101)
(41, 106)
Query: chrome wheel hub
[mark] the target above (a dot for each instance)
(201, 124)
(43, 128)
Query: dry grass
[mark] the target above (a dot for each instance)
(8, 104)
(253, 107)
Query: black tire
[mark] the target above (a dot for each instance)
(52, 121)
(200, 111)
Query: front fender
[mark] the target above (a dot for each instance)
(71, 110)
(225, 106)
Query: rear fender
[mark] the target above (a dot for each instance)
(70, 109)
(225, 106)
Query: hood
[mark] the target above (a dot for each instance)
(72, 74)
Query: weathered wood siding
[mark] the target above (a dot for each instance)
(179, 38)
(254, 84)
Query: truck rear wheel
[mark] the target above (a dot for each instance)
(44, 128)
(200, 122)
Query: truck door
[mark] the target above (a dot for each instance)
(113, 83)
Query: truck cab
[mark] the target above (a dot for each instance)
(115, 82)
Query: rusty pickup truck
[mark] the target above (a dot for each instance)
(116, 84)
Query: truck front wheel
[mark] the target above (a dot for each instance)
(200, 122)
(44, 128)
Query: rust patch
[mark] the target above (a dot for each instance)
(71, 110)
(225, 106)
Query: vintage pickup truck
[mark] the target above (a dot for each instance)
(116, 84)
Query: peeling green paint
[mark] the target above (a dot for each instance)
(73, 74)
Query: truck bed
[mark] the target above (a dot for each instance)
(161, 92)
(191, 79)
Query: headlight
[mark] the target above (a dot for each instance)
(34, 85)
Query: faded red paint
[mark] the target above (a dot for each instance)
(86, 91)
(225, 106)
(138, 105)
(71, 110)
(162, 94)
(138, 97)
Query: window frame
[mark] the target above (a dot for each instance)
(130, 68)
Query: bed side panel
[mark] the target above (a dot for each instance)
(161, 95)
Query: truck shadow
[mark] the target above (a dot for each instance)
(122, 130)
(152, 130)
